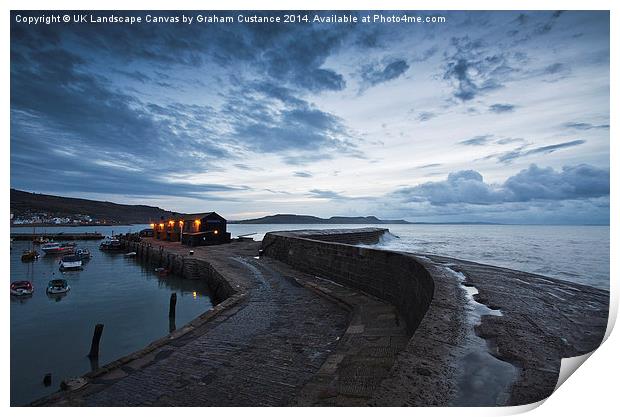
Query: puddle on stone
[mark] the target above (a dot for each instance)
(483, 379)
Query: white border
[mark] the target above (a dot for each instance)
(591, 391)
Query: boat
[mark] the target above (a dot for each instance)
(112, 244)
(21, 288)
(58, 286)
(40, 240)
(55, 248)
(130, 254)
(29, 255)
(70, 262)
(84, 254)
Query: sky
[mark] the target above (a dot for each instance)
(490, 116)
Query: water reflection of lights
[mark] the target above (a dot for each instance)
(194, 294)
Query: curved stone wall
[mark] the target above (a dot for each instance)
(391, 276)
(184, 266)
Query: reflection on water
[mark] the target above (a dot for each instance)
(52, 333)
(483, 380)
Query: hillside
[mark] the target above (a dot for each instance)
(25, 204)
(300, 219)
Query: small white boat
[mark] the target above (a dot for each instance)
(70, 262)
(58, 286)
(130, 254)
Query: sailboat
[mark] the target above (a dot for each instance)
(30, 255)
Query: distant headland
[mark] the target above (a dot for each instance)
(303, 219)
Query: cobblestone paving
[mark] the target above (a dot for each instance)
(260, 356)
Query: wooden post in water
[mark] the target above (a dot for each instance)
(173, 305)
(47, 380)
(94, 346)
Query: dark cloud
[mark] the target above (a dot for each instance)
(326, 194)
(553, 72)
(545, 27)
(556, 68)
(502, 108)
(105, 140)
(572, 182)
(506, 141)
(426, 55)
(269, 190)
(262, 128)
(522, 151)
(246, 167)
(135, 75)
(428, 166)
(585, 126)
(292, 55)
(477, 140)
(474, 69)
(302, 174)
(305, 158)
(533, 183)
(56, 94)
(375, 74)
(425, 116)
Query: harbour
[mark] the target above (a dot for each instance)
(52, 333)
(285, 311)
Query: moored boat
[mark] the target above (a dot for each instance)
(84, 254)
(21, 288)
(29, 255)
(70, 262)
(130, 254)
(111, 245)
(58, 286)
(56, 248)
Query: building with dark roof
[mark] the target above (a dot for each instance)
(193, 229)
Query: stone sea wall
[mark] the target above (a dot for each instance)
(391, 276)
(185, 266)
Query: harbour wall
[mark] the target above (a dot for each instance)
(183, 265)
(394, 277)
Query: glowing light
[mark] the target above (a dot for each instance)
(171, 223)
(195, 295)
(152, 225)
(161, 226)
(215, 232)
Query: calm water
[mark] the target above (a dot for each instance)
(574, 253)
(54, 334)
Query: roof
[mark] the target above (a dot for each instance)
(194, 216)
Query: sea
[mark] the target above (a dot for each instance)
(53, 334)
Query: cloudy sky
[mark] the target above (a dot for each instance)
(491, 116)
